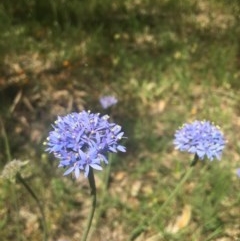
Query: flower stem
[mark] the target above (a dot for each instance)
(6, 142)
(102, 204)
(93, 206)
(34, 196)
(13, 187)
(194, 161)
(146, 224)
(24, 183)
(14, 197)
(173, 194)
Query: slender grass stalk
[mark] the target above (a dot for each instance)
(24, 183)
(16, 207)
(92, 184)
(147, 223)
(101, 207)
(107, 174)
(40, 207)
(173, 194)
(13, 187)
(6, 142)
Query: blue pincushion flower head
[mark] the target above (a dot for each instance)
(201, 138)
(82, 140)
(108, 101)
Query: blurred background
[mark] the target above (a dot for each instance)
(167, 62)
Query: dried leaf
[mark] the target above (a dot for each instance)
(181, 221)
(31, 221)
(136, 188)
(120, 176)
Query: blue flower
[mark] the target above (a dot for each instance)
(107, 101)
(82, 140)
(200, 138)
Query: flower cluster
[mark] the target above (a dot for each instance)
(82, 140)
(200, 138)
(107, 101)
(12, 168)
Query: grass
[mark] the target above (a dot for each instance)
(168, 62)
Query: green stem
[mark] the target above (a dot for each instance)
(6, 142)
(102, 204)
(13, 187)
(93, 206)
(22, 181)
(146, 224)
(34, 196)
(173, 194)
(16, 207)
(107, 174)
